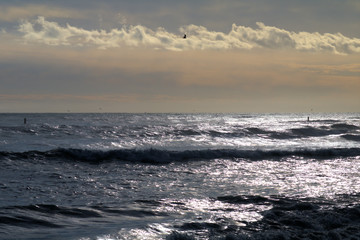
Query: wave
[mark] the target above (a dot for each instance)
(237, 131)
(305, 132)
(344, 126)
(288, 218)
(351, 137)
(54, 216)
(25, 221)
(158, 156)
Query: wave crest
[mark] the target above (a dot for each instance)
(157, 156)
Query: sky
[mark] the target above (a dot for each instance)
(241, 56)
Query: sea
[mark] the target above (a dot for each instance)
(105, 176)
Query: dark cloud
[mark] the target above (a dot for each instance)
(323, 16)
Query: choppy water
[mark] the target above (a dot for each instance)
(179, 176)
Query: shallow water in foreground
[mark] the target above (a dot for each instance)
(179, 176)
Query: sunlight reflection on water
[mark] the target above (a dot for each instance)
(293, 177)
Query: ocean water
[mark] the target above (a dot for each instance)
(179, 176)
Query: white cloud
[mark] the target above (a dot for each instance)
(199, 38)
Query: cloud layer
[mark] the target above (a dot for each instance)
(199, 38)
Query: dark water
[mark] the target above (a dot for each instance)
(179, 176)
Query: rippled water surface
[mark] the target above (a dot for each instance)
(179, 176)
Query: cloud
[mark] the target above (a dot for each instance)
(199, 38)
(13, 13)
